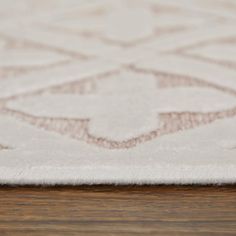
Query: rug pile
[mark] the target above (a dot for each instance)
(135, 91)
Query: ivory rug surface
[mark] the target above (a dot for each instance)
(112, 91)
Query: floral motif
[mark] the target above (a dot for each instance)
(125, 108)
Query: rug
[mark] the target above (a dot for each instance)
(117, 91)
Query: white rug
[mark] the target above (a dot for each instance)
(135, 91)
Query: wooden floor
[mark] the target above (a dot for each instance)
(118, 210)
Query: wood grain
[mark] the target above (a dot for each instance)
(118, 210)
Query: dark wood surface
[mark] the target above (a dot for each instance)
(118, 210)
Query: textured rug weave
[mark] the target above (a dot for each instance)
(135, 91)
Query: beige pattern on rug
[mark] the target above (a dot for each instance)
(117, 91)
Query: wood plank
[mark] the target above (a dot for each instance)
(118, 210)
